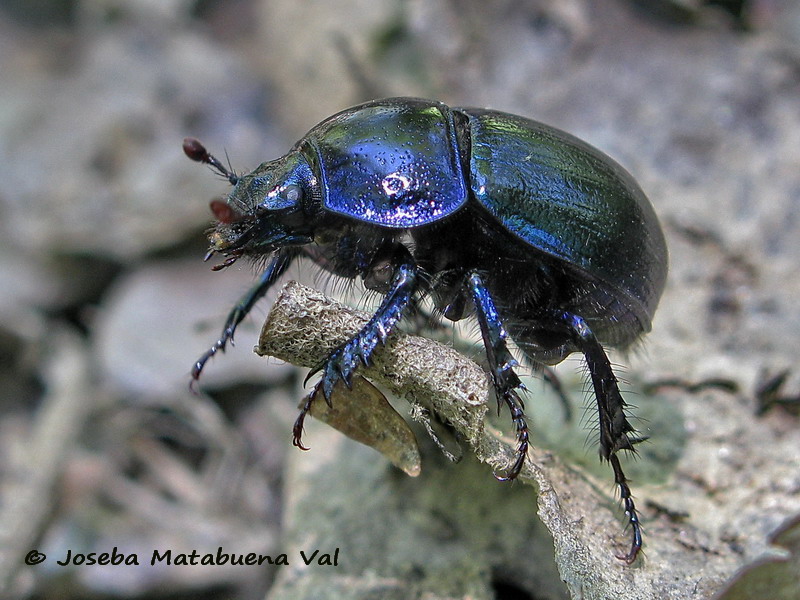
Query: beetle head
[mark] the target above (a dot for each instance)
(270, 208)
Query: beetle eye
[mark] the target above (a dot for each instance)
(224, 212)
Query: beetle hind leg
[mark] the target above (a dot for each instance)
(616, 432)
(501, 365)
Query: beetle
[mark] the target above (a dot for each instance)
(537, 235)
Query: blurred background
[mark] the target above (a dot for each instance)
(105, 302)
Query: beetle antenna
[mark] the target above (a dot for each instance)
(198, 153)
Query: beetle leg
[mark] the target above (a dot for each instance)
(614, 425)
(501, 366)
(274, 270)
(344, 361)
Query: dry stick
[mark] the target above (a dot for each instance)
(304, 326)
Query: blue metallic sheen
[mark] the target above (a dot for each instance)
(541, 237)
(390, 163)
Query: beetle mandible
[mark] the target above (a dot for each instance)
(536, 234)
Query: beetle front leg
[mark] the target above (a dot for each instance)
(274, 270)
(614, 425)
(501, 365)
(344, 361)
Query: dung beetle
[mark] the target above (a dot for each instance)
(539, 236)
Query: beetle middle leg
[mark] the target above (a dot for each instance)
(614, 425)
(343, 361)
(501, 366)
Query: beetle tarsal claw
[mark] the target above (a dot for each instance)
(297, 428)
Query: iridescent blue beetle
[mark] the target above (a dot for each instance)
(536, 234)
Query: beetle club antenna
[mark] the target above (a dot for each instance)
(198, 153)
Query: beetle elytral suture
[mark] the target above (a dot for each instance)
(540, 237)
